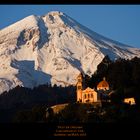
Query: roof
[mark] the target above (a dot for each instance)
(103, 83)
(88, 89)
(132, 98)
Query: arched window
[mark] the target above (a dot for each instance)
(91, 95)
(79, 87)
(88, 96)
(79, 80)
(85, 96)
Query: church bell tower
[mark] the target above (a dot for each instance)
(79, 88)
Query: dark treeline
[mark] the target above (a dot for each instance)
(33, 102)
(122, 75)
(44, 94)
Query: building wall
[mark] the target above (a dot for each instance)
(79, 88)
(79, 95)
(95, 96)
(130, 101)
(89, 95)
(102, 88)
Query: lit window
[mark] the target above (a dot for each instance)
(79, 87)
(85, 96)
(79, 80)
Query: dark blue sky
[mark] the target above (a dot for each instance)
(118, 22)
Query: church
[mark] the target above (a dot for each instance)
(90, 95)
(103, 85)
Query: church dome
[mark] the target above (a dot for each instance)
(103, 85)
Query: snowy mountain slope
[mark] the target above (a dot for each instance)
(53, 48)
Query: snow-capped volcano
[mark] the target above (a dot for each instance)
(53, 48)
